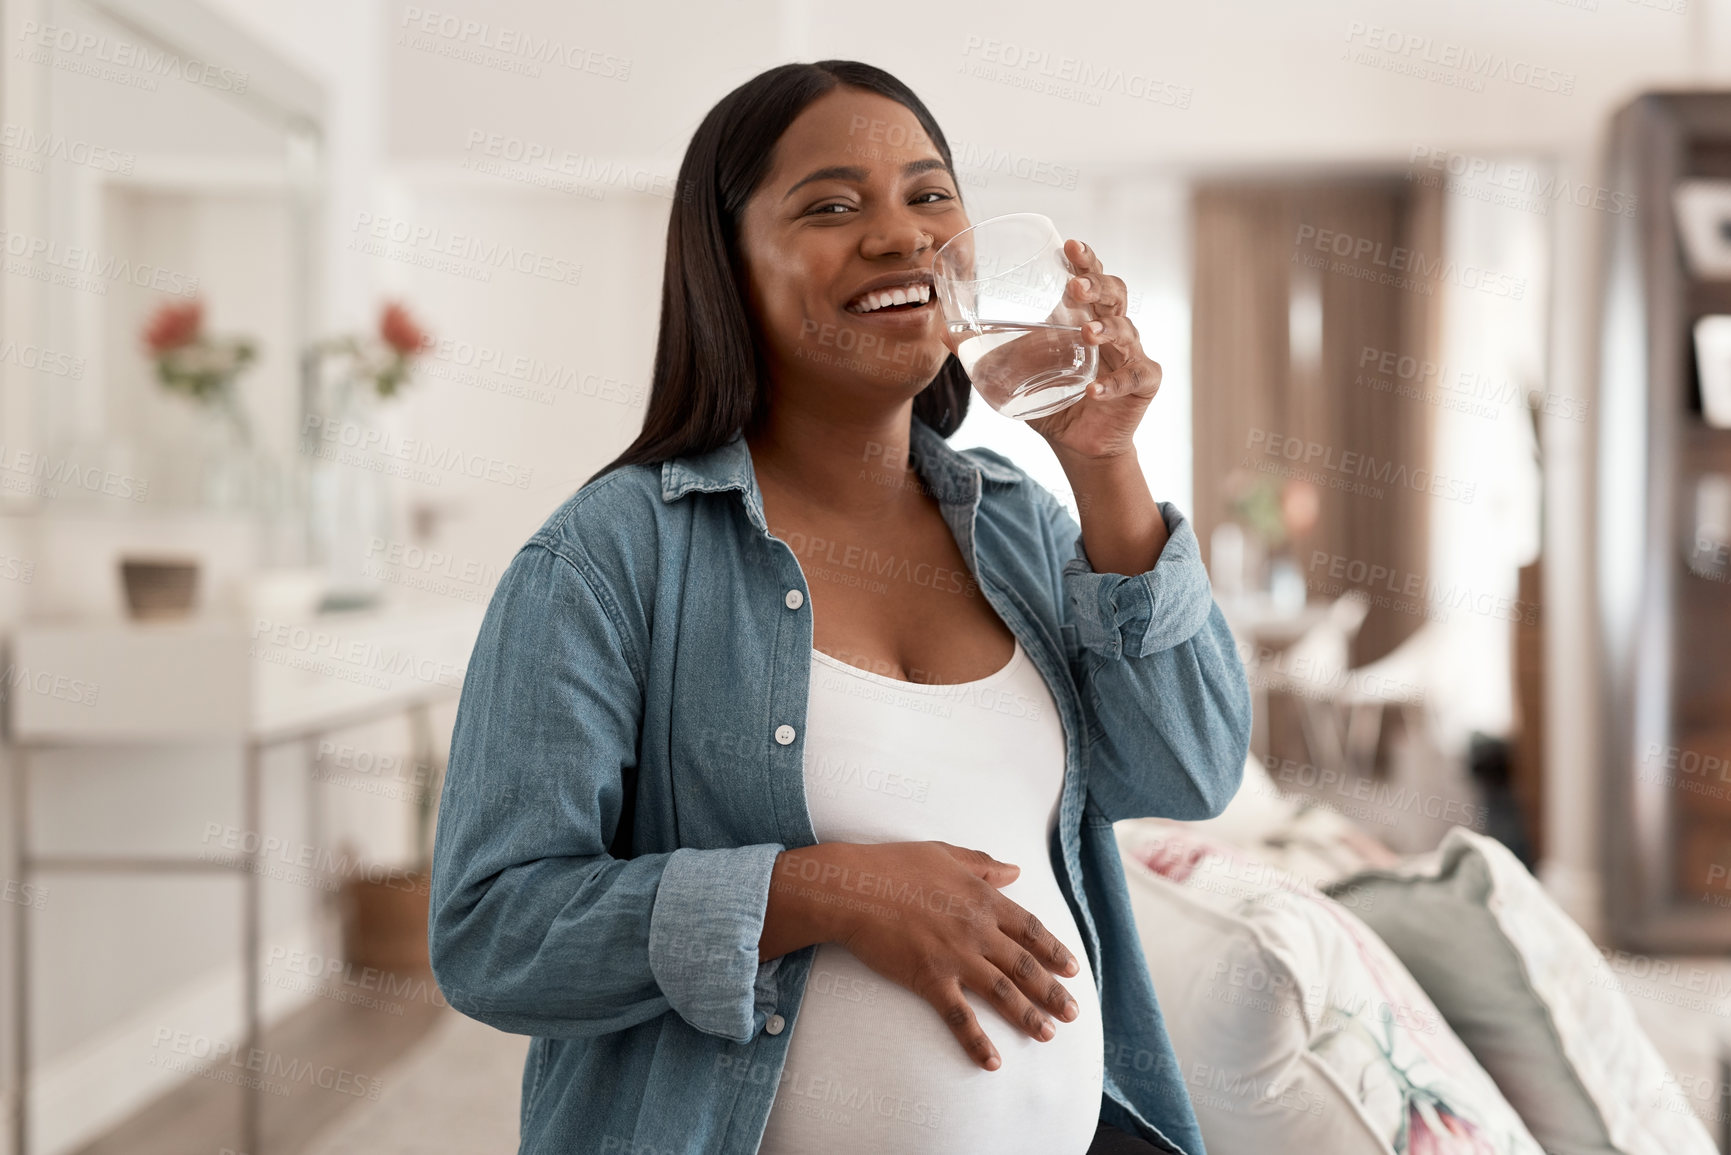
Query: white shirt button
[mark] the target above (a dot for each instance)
(775, 1024)
(784, 733)
(794, 599)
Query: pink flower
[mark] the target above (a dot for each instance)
(1456, 1137)
(1171, 858)
(172, 326)
(1300, 503)
(400, 331)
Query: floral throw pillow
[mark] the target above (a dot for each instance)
(1296, 1027)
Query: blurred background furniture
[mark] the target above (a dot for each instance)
(1663, 621)
(1264, 628)
(198, 684)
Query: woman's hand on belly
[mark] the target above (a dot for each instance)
(928, 916)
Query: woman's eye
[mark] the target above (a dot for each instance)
(823, 209)
(942, 196)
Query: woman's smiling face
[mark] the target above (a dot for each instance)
(855, 204)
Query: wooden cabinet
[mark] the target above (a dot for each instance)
(1663, 620)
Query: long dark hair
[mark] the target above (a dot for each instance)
(709, 381)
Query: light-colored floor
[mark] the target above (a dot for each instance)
(456, 1093)
(1684, 1005)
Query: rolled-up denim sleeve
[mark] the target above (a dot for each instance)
(534, 928)
(1164, 695)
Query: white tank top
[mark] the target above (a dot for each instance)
(871, 1068)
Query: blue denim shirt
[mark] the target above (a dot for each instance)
(649, 632)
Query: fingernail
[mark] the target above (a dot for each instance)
(1084, 284)
(1096, 326)
(992, 1063)
(1047, 1030)
(1071, 1010)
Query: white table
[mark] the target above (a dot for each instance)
(1258, 623)
(257, 684)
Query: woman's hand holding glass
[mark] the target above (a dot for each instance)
(1103, 424)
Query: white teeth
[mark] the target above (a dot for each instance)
(900, 295)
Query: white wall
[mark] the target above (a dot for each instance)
(1240, 86)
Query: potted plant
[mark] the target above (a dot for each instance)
(1273, 514)
(384, 918)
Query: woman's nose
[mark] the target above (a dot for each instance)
(897, 238)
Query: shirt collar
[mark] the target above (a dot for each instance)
(946, 471)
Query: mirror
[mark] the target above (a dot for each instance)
(149, 174)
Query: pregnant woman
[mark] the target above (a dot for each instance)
(780, 800)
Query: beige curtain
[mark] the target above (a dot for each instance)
(1278, 346)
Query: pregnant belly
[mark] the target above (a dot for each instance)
(872, 1070)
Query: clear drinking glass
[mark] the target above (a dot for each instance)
(1001, 284)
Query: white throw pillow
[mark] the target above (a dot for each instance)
(1296, 1029)
(1295, 833)
(1530, 995)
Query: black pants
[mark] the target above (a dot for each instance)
(1108, 1140)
